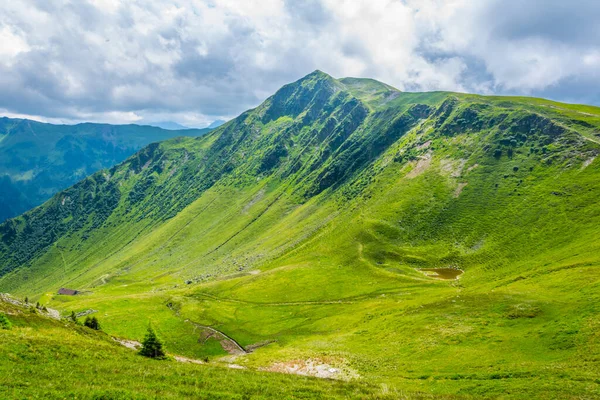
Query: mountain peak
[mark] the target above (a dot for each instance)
(292, 99)
(318, 72)
(317, 76)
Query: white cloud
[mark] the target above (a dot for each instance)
(11, 44)
(192, 61)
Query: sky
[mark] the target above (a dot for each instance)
(195, 61)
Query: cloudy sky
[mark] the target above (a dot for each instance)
(194, 61)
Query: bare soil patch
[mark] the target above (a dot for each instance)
(452, 167)
(459, 189)
(423, 163)
(258, 197)
(312, 367)
(424, 145)
(587, 162)
(472, 167)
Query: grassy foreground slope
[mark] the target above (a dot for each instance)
(300, 229)
(44, 358)
(37, 160)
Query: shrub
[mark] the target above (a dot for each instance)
(92, 323)
(4, 322)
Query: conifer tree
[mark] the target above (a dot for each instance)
(152, 346)
(96, 324)
(73, 317)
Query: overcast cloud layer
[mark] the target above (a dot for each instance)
(194, 61)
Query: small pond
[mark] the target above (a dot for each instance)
(442, 273)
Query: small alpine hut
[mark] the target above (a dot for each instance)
(68, 292)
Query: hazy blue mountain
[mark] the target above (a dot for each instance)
(169, 125)
(216, 123)
(38, 160)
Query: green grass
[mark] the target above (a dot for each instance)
(301, 226)
(43, 358)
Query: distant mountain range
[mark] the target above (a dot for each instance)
(174, 126)
(170, 125)
(37, 159)
(216, 123)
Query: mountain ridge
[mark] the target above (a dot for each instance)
(310, 223)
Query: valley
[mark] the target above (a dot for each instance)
(426, 245)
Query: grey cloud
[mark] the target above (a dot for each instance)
(571, 22)
(311, 12)
(207, 61)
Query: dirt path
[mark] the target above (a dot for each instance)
(135, 345)
(187, 360)
(130, 344)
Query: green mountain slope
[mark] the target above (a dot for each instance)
(37, 160)
(301, 230)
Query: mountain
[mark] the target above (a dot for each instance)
(431, 244)
(216, 123)
(170, 125)
(37, 160)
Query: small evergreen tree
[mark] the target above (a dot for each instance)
(26, 300)
(92, 323)
(4, 322)
(73, 317)
(152, 346)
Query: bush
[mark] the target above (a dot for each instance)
(92, 323)
(4, 322)
(152, 346)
